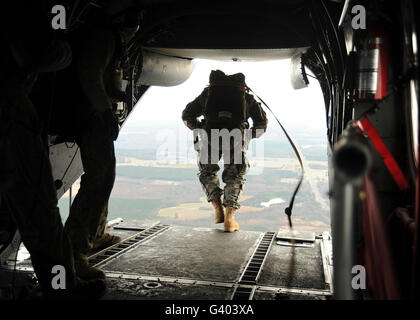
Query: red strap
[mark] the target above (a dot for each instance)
(383, 151)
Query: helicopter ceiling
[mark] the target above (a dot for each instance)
(223, 25)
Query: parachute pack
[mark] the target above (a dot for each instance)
(226, 104)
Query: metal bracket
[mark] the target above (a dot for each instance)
(302, 239)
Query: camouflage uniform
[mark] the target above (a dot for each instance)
(27, 191)
(95, 58)
(233, 174)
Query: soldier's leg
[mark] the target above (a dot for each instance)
(208, 169)
(89, 210)
(233, 177)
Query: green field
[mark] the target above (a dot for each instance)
(127, 209)
(133, 208)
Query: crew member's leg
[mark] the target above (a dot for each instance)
(89, 210)
(102, 238)
(30, 197)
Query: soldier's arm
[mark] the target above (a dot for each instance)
(96, 53)
(258, 116)
(192, 111)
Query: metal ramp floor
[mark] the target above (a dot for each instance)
(156, 261)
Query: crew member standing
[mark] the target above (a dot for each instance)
(97, 58)
(27, 190)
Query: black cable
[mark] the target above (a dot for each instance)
(308, 75)
(288, 210)
(335, 33)
(71, 162)
(336, 112)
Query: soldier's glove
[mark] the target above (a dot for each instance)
(110, 122)
(258, 131)
(193, 124)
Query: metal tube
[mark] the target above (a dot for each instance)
(352, 157)
(351, 161)
(343, 241)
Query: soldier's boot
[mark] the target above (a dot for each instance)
(230, 224)
(84, 270)
(105, 241)
(219, 211)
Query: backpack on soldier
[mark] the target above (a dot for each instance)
(225, 105)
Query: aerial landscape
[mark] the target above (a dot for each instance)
(157, 164)
(157, 180)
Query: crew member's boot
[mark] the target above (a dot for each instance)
(105, 241)
(219, 211)
(84, 270)
(230, 224)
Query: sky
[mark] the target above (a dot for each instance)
(298, 110)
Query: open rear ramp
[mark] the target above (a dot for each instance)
(167, 262)
(157, 261)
